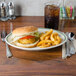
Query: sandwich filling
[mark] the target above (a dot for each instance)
(27, 38)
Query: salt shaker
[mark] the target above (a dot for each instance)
(3, 12)
(11, 12)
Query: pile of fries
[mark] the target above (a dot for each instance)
(48, 39)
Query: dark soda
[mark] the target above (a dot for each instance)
(51, 16)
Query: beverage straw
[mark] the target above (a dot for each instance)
(68, 12)
(64, 9)
(71, 11)
(63, 21)
(59, 2)
(64, 12)
(61, 13)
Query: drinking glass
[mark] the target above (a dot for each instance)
(51, 15)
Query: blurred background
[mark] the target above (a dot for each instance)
(33, 7)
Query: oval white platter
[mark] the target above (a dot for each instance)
(61, 34)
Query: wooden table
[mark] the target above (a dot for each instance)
(41, 63)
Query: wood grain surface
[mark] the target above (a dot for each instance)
(40, 63)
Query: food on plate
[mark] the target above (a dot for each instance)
(29, 37)
(26, 37)
(46, 34)
(48, 39)
(45, 43)
(55, 38)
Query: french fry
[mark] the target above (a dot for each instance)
(46, 31)
(53, 36)
(46, 34)
(44, 41)
(58, 40)
(45, 45)
(48, 39)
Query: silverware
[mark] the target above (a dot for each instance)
(63, 51)
(71, 37)
(3, 35)
(68, 48)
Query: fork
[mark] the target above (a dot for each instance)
(3, 35)
(65, 49)
(68, 48)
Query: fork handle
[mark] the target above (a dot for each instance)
(72, 48)
(8, 52)
(63, 51)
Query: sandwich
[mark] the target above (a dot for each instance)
(26, 37)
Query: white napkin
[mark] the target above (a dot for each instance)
(68, 48)
(72, 47)
(63, 51)
(74, 42)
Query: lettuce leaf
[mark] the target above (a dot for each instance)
(36, 34)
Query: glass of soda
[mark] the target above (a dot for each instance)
(51, 16)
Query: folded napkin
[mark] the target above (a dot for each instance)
(69, 48)
(63, 51)
(74, 42)
(72, 47)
